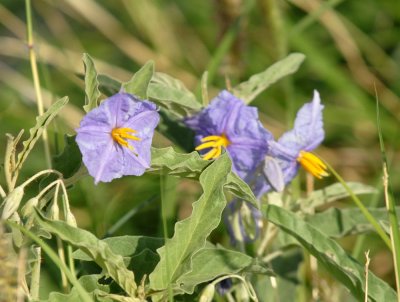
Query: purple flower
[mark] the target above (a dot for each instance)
(115, 138)
(293, 150)
(228, 123)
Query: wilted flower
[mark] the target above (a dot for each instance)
(115, 138)
(228, 123)
(294, 148)
(243, 220)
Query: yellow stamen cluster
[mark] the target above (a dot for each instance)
(312, 164)
(215, 142)
(120, 135)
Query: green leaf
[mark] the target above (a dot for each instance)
(331, 255)
(92, 92)
(139, 83)
(126, 246)
(41, 123)
(167, 160)
(191, 233)
(338, 223)
(191, 165)
(100, 252)
(170, 93)
(333, 193)
(249, 90)
(210, 263)
(90, 283)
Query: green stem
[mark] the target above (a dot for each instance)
(53, 256)
(165, 229)
(362, 208)
(35, 276)
(36, 81)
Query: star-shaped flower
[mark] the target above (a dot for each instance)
(293, 150)
(228, 123)
(115, 138)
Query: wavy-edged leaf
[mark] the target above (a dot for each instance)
(191, 233)
(99, 251)
(92, 92)
(41, 123)
(331, 255)
(169, 161)
(333, 193)
(90, 283)
(69, 161)
(192, 165)
(249, 90)
(126, 246)
(170, 93)
(139, 83)
(210, 263)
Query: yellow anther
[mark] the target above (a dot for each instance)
(120, 135)
(215, 142)
(312, 164)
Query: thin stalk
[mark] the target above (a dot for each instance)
(53, 256)
(394, 229)
(36, 81)
(367, 261)
(35, 276)
(362, 208)
(391, 207)
(165, 229)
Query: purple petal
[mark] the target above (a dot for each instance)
(104, 158)
(273, 173)
(230, 116)
(308, 130)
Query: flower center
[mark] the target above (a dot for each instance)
(215, 142)
(120, 135)
(312, 164)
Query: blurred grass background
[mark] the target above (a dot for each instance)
(352, 49)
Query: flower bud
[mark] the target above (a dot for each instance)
(208, 293)
(12, 202)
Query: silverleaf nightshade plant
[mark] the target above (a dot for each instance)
(115, 138)
(228, 123)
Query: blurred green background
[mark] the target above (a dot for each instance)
(352, 53)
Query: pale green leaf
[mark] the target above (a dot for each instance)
(90, 283)
(331, 255)
(100, 252)
(170, 93)
(139, 83)
(249, 90)
(191, 165)
(191, 233)
(41, 123)
(92, 92)
(171, 162)
(338, 223)
(210, 263)
(333, 193)
(126, 246)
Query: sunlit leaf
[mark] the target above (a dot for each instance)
(139, 83)
(210, 263)
(191, 233)
(170, 93)
(331, 255)
(41, 123)
(100, 252)
(92, 92)
(249, 90)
